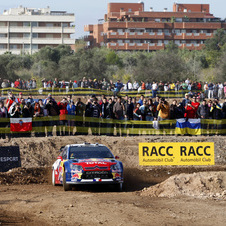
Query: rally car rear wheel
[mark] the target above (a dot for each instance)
(53, 178)
(67, 187)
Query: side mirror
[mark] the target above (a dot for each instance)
(60, 157)
(116, 157)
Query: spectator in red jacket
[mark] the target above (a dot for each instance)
(190, 111)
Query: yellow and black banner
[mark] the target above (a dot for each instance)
(90, 91)
(161, 154)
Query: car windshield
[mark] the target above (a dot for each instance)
(89, 152)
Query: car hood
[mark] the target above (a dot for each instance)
(95, 164)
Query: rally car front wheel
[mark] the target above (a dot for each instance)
(67, 187)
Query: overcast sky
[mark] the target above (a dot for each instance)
(89, 11)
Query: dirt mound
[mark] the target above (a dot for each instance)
(202, 184)
(25, 176)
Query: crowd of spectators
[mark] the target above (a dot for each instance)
(207, 90)
(120, 108)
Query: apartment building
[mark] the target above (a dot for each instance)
(26, 30)
(127, 27)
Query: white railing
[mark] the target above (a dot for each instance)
(131, 33)
(113, 44)
(188, 44)
(151, 33)
(196, 34)
(131, 44)
(151, 44)
(121, 33)
(196, 44)
(159, 44)
(208, 34)
(139, 44)
(113, 33)
(167, 34)
(189, 34)
(159, 33)
(178, 34)
(140, 33)
(121, 44)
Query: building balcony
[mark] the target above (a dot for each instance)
(197, 36)
(196, 25)
(3, 30)
(2, 51)
(3, 40)
(136, 35)
(88, 28)
(20, 29)
(191, 46)
(68, 30)
(19, 40)
(56, 41)
(128, 24)
(136, 46)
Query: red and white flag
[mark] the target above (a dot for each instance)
(20, 124)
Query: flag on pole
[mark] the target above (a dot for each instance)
(20, 124)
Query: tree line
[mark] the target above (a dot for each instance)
(170, 64)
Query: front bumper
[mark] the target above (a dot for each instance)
(95, 181)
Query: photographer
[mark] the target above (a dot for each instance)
(15, 110)
(163, 109)
(176, 110)
(190, 111)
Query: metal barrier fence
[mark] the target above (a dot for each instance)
(90, 91)
(71, 125)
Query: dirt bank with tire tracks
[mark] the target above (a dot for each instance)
(28, 195)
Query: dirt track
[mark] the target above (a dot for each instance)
(24, 201)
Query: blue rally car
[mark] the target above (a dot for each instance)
(87, 164)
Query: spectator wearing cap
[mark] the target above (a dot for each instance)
(186, 100)
(18, 100)
(49, 97)
(75, 84)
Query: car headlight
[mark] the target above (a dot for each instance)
(76, 167)
(116, 167)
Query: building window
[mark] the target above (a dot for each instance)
(13, 46)
(34, 35)
(64, 24)
(26, 46)
(166, 42)
(178, 20)
(26, 24)
(34, 24)
(157, 20)
(34, 46)
(2, 47)
(26, 35)
(49, 24)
